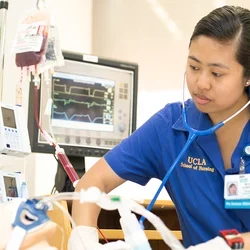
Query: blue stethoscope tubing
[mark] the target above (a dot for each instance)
(193, 133)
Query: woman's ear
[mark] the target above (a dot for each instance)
(247, 83)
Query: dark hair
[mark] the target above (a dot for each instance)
(232, 185)
(226, 24)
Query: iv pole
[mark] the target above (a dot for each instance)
(3, 11)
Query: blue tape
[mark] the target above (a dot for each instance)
(28, 216)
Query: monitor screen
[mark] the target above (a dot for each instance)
(8, 117)
(10, 186)
(94, 106)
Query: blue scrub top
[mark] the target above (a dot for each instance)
(196, 186)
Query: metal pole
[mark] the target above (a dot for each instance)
(3, 11)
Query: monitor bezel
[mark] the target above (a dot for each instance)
(81, 151)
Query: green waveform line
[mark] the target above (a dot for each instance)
(71, 88)
(66, 102)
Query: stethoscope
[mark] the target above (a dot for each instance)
(193, 133)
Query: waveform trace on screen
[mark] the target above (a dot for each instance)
(83, 101)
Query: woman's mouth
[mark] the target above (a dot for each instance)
(201, 99)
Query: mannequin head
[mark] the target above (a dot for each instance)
(36, 239)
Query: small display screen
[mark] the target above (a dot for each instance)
(8, 117)
(10, 186)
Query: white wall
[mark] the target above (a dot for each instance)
(11, 77)
(133, 30)
(142, 31)
(74, 20)
(75, 30)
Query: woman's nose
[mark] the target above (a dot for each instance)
(203, 82)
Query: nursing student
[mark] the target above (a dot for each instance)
(218, 77)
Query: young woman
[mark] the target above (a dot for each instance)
(217, 76)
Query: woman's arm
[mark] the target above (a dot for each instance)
(101, 176)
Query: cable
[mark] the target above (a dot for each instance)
(63, 236)
(69, 217)
(69, 196)
(43, 133)
(53, 190)
(36, 98)
(65, 212)
(47, 80)
(106, 240)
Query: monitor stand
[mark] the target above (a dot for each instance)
(62, 181)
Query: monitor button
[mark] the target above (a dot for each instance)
(88, 141)
(67, 139)
(98, 141)
(122, 127)
(78, 140)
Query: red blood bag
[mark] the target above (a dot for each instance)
(31, 39)
(29, 58)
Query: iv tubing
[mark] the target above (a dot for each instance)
(105, 201)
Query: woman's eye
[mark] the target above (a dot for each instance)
(193, 67)
(216, 74)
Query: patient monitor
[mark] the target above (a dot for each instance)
(11, 186)
(14, 138)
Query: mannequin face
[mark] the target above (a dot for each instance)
(7, 212)
(37, 239)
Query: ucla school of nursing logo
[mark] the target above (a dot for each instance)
(198, 164)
